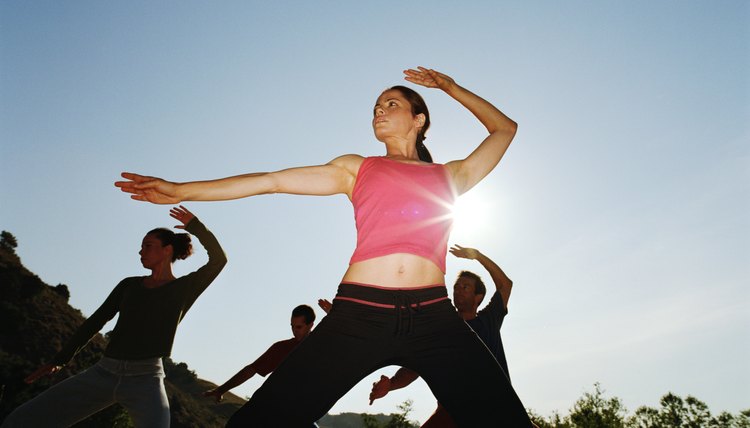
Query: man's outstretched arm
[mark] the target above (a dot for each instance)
(238, 379)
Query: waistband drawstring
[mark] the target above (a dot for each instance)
(410, 300)
(405, 302)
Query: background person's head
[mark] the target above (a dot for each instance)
(303, 318)
(468, 291)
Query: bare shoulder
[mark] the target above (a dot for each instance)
(350, 162)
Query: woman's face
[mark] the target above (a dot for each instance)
(392, 116)
(153, 253)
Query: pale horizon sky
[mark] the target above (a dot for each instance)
(621, 210)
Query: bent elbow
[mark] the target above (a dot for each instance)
(219, 261)
(512, 128)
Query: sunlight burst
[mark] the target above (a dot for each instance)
(470, 216)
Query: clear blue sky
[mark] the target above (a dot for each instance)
(621, 210)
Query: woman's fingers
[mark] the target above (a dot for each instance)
(182, 214)
(419, 77)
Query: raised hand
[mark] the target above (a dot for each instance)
(325, 305)
(218, 395)
(42, 371)
(380, 388)
(429, 78)
(181, 214)
(464, 252)
(149, 189)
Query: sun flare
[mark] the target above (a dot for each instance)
(470, 216)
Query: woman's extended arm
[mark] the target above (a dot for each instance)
(468, 172)
(337, 176)
(90, 326)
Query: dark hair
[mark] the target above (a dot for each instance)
(479, 287)
(182, 248)
(418, 106)
(304, 311)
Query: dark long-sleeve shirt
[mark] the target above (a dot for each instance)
(148, 317)
(487, 326)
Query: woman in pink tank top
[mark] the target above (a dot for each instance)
(392, 306)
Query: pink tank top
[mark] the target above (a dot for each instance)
(402, 208)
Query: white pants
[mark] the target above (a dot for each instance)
(137, 385)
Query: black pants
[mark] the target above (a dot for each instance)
(418, 329)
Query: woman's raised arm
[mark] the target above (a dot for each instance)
(337, 176)
(468, 172)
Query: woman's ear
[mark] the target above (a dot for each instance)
(168, 251)
(419, 119)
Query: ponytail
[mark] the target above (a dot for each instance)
(181, 243)
(424, 154)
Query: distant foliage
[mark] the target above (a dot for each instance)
(63, 291)
(178, 371)
(352, 420)
(8, 242)
(594, 410)
(690, 412)
(397, 420)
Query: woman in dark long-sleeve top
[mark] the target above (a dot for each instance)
(131, 372)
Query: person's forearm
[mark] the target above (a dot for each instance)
(489, 115)
(403, 378)
(222, 189)
(237, 380)
(503, 284)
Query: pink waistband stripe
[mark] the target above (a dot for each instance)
(384, 305)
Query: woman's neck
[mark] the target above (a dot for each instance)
(160, 276)
(401, 149)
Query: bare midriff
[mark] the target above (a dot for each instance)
(399, 270)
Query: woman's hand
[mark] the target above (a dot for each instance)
(149, 189)
(429, 78)
(182, 215)
(42, 371)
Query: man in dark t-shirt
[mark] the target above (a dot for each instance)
(303, 318)
(468, 293)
